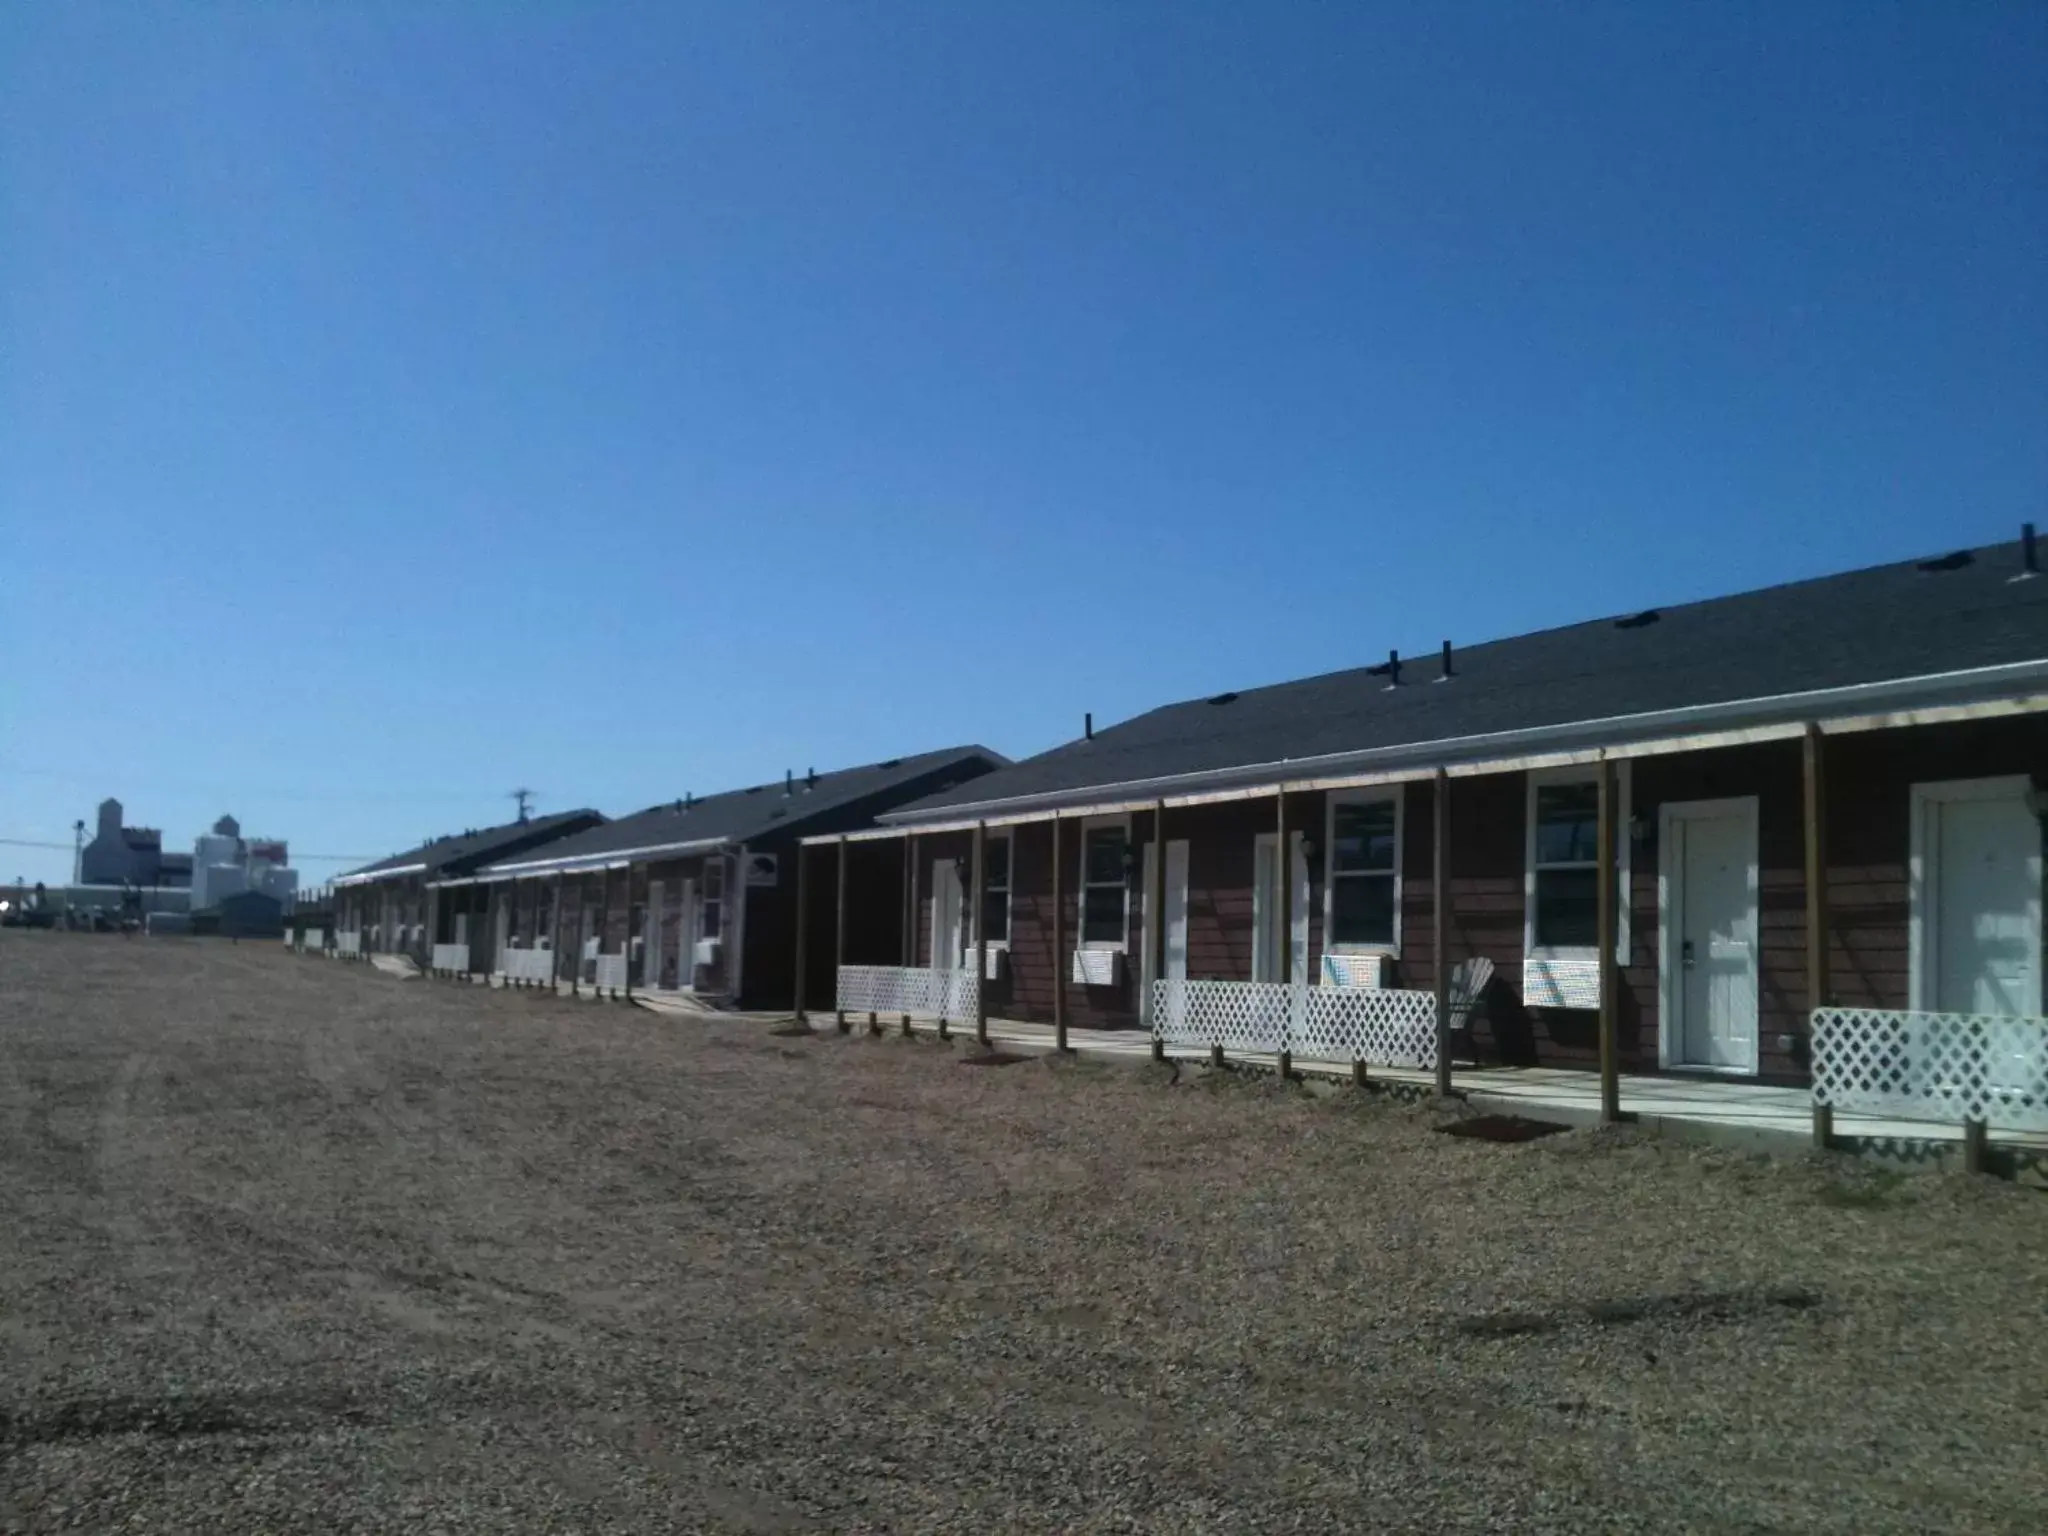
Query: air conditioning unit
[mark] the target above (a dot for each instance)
(1096, 967)
(1368, 971)
(706, 952)
(998, 963)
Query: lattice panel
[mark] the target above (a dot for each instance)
(1380, 1026)
(313, 938)
(1933, 1066)
(451, 957)
(348, 941)
(534, 965)
(610, 972)
(918, 991)
(1237, 1015)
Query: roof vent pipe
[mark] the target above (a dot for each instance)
(788, 782)
(1445, 675)
(810, 778)
(2030, 560)
(1088, 727)
(1393, 669)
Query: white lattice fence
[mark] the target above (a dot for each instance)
(451, 957)
(1933, 1066)
(348, 942)
(610, 973)
(313, 939)
(1381, 1026)
(917, 991)
(1237, 1015)
(530, 965)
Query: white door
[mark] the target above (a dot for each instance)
(949, 917)
(1176, 915)
(1708, 896)
(1976, 899)
(1265, 958)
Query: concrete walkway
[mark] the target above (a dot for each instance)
(1701, 1107)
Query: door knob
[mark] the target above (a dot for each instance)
(1685, 954)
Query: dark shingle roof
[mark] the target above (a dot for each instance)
(743, 815)
(1911, 620)
(465, 850)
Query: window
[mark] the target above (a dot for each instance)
(995, 890)
(1563, 868)
(1362, 889)
(1105, 886)
(1567, 868)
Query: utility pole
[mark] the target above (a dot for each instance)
(524, 799)
(78, 852)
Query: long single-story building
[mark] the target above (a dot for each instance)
(1678, 839)
(694, 896)
(386, 907)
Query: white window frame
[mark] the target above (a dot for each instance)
(1624, 853)
(1120, 946)
(1008, 888)
(1923, 915)
(1370, 795)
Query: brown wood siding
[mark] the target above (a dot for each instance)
(1870, 777)
(1870, 784)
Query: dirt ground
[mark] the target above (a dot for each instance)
(291, 1246)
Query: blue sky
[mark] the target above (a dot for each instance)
(402, 403)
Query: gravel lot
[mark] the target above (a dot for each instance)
(292, 1245)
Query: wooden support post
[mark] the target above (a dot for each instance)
(1976, 1140)
(555, 942)
(803, 926)
(1358, 1072)
(1283, 881)
(1439, 922)
(1216, 1057)
(1059, 959)
(1155, 927)
(909, 902)
(1610, 1070)
(1818, 986)
(839, 927)
(626, 949)
(980, 933)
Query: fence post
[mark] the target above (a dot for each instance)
(1975, 1141)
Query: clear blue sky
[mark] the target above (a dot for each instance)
(400, 403)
